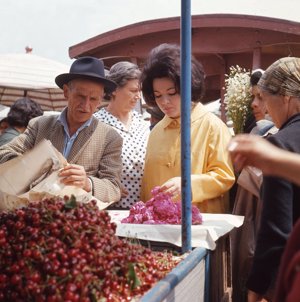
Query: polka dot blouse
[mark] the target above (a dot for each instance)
(133, 153)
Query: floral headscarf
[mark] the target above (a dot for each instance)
(282, 77)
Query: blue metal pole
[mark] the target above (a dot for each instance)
(185, 90)
(207, 277)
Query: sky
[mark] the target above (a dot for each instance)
(50, 27)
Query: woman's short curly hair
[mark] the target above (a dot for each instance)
(164, 61)
(22, 111)
(121, 73)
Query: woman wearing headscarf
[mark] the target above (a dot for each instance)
(120, 114)
(280, 90)
(211, 170)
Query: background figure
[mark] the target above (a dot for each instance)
(18, 117)
(280, 90)
(156, 115)
(247, 201)
(212, 173)
(258, 121)
(121, 115)
(263, 121)
(3, 125)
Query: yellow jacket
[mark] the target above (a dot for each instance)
(211, 168)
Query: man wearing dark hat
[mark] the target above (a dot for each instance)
(92, 149)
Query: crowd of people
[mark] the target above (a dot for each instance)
(119, 158)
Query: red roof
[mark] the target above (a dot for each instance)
(218, 41)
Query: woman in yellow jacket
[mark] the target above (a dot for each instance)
(212, 172)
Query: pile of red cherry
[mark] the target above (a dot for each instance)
(60, 250)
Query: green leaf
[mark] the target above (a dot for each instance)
(71, 203)
(133, 279)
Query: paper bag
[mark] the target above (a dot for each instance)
(19, 173)
(34, 176)
(51, 186)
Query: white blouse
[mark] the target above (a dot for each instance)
(133, 153)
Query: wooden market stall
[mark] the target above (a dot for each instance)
(218, 41)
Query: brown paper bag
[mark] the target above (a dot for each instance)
(19, 173)
(34, 176)
(51, 186)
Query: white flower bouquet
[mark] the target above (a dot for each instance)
(238, 97)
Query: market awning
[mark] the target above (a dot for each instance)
(32, 76)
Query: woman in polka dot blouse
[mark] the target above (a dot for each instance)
(121, 115)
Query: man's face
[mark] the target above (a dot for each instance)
(84, 97)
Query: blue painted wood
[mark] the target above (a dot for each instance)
(164, 287)
(185, 89)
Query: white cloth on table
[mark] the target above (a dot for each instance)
(205, 235)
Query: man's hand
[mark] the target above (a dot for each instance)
(75, 175)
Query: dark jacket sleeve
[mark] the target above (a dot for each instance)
(275, 226)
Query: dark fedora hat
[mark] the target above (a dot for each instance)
(86, 68)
